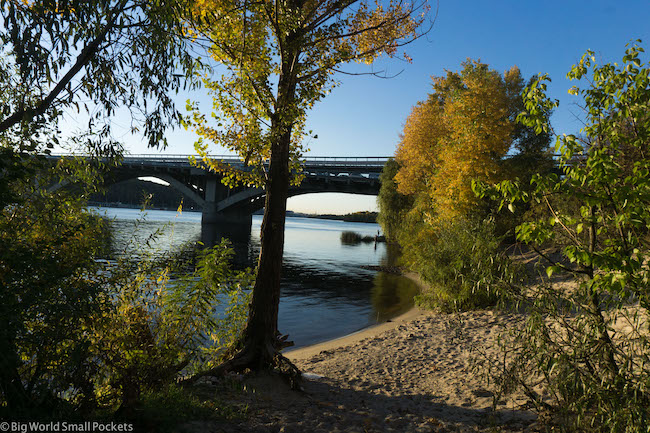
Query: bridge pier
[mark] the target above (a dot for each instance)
(234, 224)
(212, 196)
(216, 192)
(235, 227)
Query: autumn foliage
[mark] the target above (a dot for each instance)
(461, 132)
(275, 61)
(278, 59)
(465, 130)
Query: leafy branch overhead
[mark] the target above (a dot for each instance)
(605, 171)
(590, 344)
(93, 56)
(275, 60)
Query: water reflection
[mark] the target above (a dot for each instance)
(240, 240)
(326, 293)
(392, 295)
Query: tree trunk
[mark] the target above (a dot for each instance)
(260, 341)
(262, 327)
(608, 347)
(11, 385)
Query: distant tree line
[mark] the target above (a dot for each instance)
(358, 217)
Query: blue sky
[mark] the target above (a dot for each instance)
(365, 115)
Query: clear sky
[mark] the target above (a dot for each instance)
(365, 115)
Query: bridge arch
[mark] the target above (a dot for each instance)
(187, 188)
(181, 188)
(252, 199)
(357, 175)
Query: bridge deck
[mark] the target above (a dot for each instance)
(311, 161)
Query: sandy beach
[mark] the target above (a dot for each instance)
(416, 373)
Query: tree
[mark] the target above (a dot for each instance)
(59, 56)
(461, 132)
(392, 204)
(64, 55)
(417, 152)
(279, 59)
(589, 346)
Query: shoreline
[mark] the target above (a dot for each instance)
(355, 337)
(420, 372)
(413, 313)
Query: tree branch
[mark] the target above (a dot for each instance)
(24, 114)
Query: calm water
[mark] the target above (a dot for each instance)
(325, 291)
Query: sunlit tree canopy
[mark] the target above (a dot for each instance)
(277, 59)
(460, 133)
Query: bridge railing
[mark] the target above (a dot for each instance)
(310, 160)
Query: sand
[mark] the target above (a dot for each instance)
(416, 373)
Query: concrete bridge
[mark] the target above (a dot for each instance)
(222, 205)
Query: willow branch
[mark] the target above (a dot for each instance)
(25, 114)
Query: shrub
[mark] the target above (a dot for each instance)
(75, 335)
(50, 289)
(160, 324)
(353, 238)
(392, 204)
(463, 265)
(588, 346)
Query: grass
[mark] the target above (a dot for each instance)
(353, 238)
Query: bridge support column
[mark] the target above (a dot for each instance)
(209, 215)
(233, 224)
(236, 227)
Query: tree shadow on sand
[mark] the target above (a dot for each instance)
(328, 406)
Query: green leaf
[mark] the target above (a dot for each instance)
(552, 269)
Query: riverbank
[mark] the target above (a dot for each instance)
(417, 373)
(304, 353)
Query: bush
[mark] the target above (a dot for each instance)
(50, 290)
(353, 238)
(392, 204)
(161, 323)
(75, 335)
(588, 345)
(463, 265)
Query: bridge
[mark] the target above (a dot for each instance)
(220, 204)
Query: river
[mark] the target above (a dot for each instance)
(326, 292)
